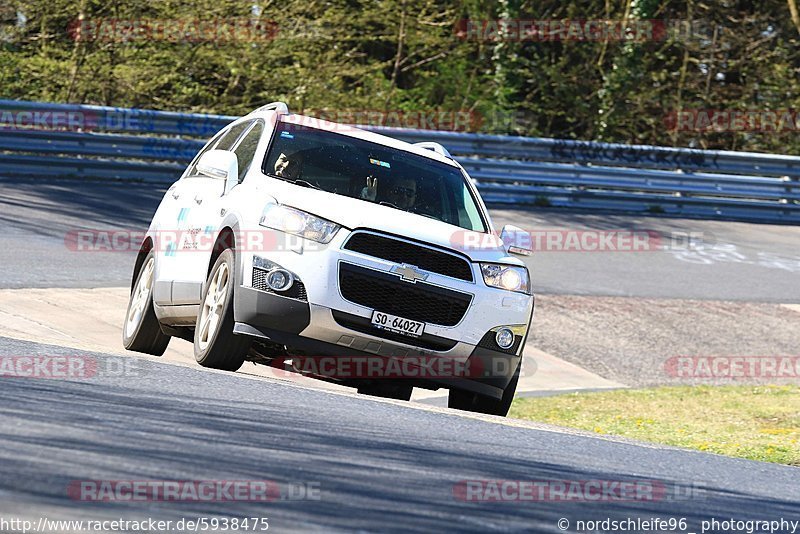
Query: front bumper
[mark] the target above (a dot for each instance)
(311, 330)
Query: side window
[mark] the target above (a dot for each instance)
(233, 134)
(468, 214)
(247, 148)
(209, 146)
(222, 141)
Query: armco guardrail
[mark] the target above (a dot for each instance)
(49, 140)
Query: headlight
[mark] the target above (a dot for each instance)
(298, 222)
(508, 277)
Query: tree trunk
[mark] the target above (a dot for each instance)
(795, 15)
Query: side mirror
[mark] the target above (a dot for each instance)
(516, 240)
(220, 165)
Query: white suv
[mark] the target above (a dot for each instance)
(293, 240)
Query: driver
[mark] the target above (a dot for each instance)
(289, 166)
(402, 193)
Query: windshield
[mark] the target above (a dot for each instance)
(374, 173)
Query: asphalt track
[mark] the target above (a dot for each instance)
(379, 465)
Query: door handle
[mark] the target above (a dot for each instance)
(176, 195)
(198, 199)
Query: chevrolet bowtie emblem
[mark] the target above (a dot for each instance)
(409, 273)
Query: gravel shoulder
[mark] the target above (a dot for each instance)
(636, 340)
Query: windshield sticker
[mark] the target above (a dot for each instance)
(287, 135)
(381, 163)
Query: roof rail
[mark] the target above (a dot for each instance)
(280, 107)
(436, 147)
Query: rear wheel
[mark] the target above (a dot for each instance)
(141, 331)
(474, 402)
(215, 344)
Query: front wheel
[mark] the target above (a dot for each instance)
(473, 402)
(141, 331)
(215, 344)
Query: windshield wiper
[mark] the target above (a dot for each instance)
(301, 183)
(304, 183)
(384, 203)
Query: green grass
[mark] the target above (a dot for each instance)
(754, 422)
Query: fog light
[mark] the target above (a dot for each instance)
(279, 280)
(504, 338)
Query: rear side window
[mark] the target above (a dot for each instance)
(233, 134)
(247, 148)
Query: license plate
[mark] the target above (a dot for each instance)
(397, 324)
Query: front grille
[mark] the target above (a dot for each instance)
(388, 293)
(297, 291)
(429, 259)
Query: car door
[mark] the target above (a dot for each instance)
(183, 228)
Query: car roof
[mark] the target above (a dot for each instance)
(355, 132)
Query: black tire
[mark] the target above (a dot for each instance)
(216, 346)
(141, 331)
(473, 402)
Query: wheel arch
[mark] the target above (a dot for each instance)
(226, 239)
(144, 250)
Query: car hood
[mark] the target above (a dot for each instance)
(354, 213)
